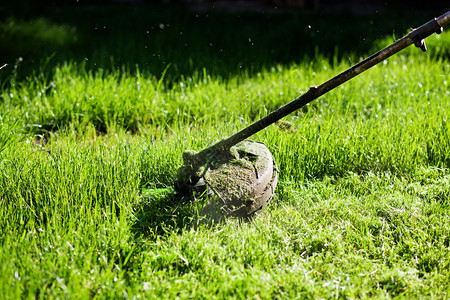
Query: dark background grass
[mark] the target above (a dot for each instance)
(149, 38)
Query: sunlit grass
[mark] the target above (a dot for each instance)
(361, 209)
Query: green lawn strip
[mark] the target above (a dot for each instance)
(390, 240)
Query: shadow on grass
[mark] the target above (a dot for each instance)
(161, 214)
(148, 39)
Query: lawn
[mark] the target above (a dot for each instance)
(95, 110)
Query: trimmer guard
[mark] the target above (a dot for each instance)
(244, 178)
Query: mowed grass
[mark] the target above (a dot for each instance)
(361, 209)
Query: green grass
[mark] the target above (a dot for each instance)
(361, 208)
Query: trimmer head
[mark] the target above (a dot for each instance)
(243, 177)
(246, 182)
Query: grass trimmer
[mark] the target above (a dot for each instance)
(241, 172)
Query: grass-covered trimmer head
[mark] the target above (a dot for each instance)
(243, 177)
(242, 173)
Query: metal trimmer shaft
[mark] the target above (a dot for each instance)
(415, 37)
